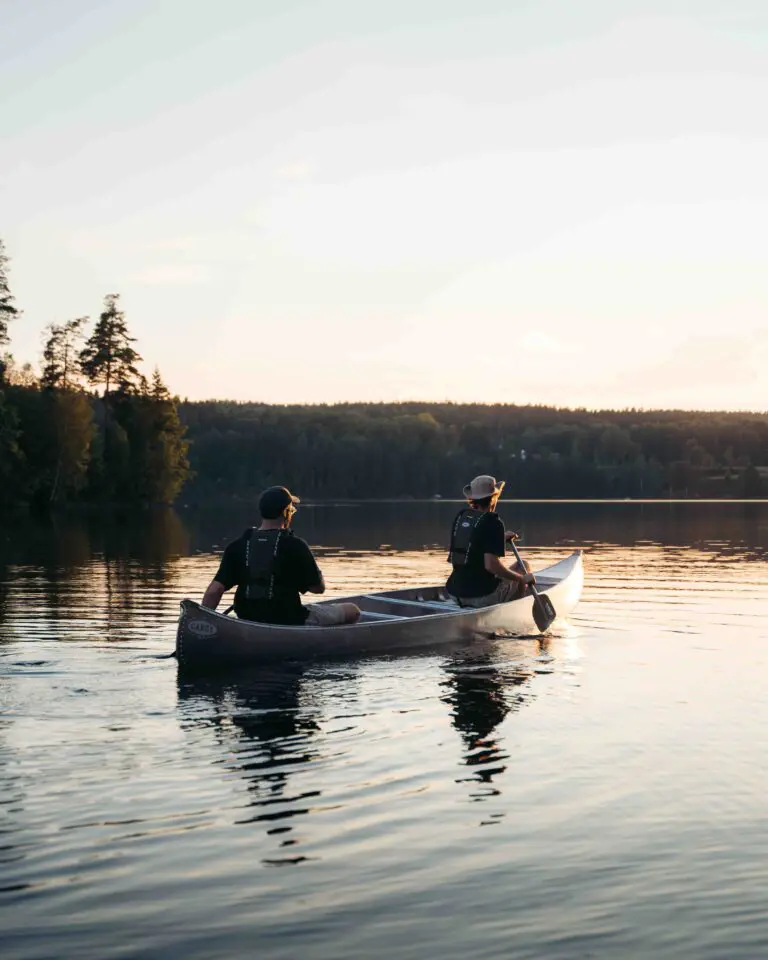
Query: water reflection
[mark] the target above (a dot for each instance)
(12, 801)
(259, 722)
(4, 588)
(413, 525)
(90, 576)
(70, 540)
(144, 806)
(482, 693)
(149, 544)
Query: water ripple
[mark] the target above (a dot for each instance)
(597, 794)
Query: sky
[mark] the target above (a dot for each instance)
(523, 201)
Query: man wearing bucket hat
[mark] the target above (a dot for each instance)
(479, 578)
(271, 567)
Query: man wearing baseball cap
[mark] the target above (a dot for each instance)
(271, 567)
(479, 578)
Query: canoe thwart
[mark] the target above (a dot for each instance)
(428, 606)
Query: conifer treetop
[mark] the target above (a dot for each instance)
(8, 310)
(108, 356)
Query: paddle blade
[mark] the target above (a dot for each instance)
(543, 612)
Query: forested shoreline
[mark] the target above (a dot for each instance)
(89, 428)
(363, 450)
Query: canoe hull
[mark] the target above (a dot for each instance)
(408, 620)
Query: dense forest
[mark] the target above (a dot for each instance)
(89, 427)
(425, 450)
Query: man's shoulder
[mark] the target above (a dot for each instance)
(239, 542)
(297, 554)
(235, 550)
(492, 521)
(297, 545)
(493, 530)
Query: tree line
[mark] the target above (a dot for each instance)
(90, 427)
(361, 450)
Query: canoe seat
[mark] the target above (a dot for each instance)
(370, 615)
(444, 606)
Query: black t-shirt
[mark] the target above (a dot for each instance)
(295, 571)
(472, 579)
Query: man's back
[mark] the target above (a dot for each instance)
(292, 572)
(469, 577)
(271, 567)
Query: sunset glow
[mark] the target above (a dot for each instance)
(552, 203)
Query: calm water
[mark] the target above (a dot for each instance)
(607, 803)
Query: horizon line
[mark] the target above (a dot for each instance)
(472, 403)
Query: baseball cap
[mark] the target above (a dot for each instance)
(274, 500)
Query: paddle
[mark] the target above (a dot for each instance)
(543, 612)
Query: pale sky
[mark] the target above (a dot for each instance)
(549, 201)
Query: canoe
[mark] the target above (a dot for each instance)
(393, 620)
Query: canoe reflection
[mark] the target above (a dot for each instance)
(270, 726)
(482, 693)
(265, 734)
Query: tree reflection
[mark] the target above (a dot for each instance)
(265, 733)
(91, 575)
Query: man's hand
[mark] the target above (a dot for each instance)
(529, 580)
(510, 535)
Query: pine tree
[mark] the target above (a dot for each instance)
(108, 356)
(159, 390)
(158, 445)
(61, 361)
(8, 311)
(74, 430)
(71, 412)
(10, 453)
(167, 465)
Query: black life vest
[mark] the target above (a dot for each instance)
(465, 527)
(261, 552)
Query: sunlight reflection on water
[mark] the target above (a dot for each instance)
(606, 802)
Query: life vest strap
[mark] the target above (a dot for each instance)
(261, 552)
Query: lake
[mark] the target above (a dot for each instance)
(609, 802)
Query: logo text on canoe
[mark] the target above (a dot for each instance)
(201, 628)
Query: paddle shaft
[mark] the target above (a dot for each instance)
(544, 613)
(534, 591)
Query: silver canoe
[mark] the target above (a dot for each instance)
(390, 621)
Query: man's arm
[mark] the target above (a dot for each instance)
(227, 576)
(213, 594)
(319, 586)
(494, 565)
(307, 574)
